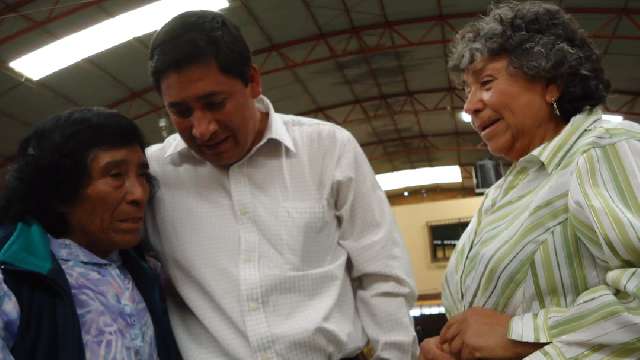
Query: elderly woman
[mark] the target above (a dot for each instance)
(548, 267)
(73, 285)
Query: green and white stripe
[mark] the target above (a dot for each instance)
(556, 244)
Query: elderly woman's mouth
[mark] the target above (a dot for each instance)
(132, 221)
(487, 125)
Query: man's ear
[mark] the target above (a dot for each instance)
(255, 82)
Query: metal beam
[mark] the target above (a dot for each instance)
(36, 85)
(93, 64)
(39, 24)
(362, 45)
(339, 67)
(10, 9)
(418, 151)
(417, 137)
(378, 98)
(324, 40)
(425, 108)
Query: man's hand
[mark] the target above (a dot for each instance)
(482, 334)
(430, 349)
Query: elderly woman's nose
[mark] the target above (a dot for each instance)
(473, 103)
(137, 190)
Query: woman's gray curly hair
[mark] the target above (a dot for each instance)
(541, 41)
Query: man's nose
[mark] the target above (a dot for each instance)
(204, 125)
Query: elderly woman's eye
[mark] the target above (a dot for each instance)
(486, 82)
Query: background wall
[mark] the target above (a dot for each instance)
(412, 220)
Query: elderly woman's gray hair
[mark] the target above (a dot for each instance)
(541, 41)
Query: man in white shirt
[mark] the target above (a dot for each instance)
(272, 227)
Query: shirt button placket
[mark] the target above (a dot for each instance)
(255, 317)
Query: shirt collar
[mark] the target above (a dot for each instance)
(275, 125)
(553, 152)
(65, 249)
(275, 130)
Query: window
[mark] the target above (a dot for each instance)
(443, 237)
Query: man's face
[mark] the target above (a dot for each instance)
(214, 113)
(109, 212)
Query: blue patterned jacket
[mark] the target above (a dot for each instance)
(49, 326)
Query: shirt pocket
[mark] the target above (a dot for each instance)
(306, 239)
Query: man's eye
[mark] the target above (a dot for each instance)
(182, 112)
(116, 175)
(214, 105)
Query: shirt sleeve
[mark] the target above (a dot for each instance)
(605, 212)
(9, 320)
(380, 268)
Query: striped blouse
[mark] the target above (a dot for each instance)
(556, 244)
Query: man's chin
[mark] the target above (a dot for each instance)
(221, 161)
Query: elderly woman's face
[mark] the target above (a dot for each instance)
(109, 212)
(512, 113)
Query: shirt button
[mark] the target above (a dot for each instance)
(253, 306)
(244, 212)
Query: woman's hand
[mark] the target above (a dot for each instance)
(430, 349)
(482, 334)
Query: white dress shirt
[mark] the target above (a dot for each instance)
(291, 253)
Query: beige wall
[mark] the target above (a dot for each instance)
(412, 221)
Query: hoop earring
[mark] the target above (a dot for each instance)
(555, 107)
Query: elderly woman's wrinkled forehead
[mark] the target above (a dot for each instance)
(478, 67)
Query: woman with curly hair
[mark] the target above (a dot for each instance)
(73, 283)
(548, 267)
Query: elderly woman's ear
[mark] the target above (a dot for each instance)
(552, 93)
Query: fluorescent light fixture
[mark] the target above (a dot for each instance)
(107, 34)
(465, 117)
(422, 176)
(612, 117)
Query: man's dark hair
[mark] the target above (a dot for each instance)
(52, 164)
(196, 37)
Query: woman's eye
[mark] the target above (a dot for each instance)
(485, 82)
(144, 174)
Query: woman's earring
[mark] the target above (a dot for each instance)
(555, 107)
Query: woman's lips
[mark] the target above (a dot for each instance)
(488, 126)
(131, 223)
